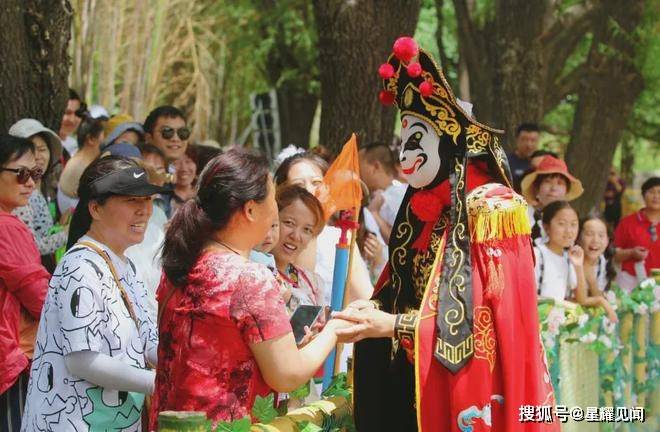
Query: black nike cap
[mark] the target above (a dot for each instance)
(129, 181)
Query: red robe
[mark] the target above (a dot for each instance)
(508, 367)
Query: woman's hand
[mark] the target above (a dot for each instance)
(609, 310)
(373, 249)
(377, 201)
(65, 218)
(367, 323)
(576, 255)
(639, 253)
(361, 304)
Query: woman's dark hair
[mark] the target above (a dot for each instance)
(82, 110)
(227, 182)
(610, 272)
(12, 148)
(204, 155)
(286, 195)
(282, 172)
(541, 177)
(82, 219)
(89, 128)
(552, 209)
(147, 149)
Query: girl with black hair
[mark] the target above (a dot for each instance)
(224, 329)
(90, 137)
(559, 264)
(594, 240)
(96, 335)
(23, 280)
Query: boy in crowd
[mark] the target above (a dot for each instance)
(378, 171)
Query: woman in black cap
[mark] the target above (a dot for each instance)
(96, 337)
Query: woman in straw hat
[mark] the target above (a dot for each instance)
(550, 182)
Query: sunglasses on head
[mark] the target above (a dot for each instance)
(168, 132)
(23, 174)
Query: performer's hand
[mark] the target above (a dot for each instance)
(368, 323)
(576, 255)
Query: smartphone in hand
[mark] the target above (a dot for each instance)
(304, 316)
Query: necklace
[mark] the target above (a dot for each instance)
(227, 247)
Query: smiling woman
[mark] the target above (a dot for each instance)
(301, 220)
(97, 331)
(23, 280)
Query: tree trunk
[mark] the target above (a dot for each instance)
(296, 109)
(516, 56)
(354, 38)
(519, 63)
(35, 64)
(606, 98)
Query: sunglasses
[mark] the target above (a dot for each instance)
(23, 174)
(168, 132)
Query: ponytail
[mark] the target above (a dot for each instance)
(227, 182)
(184, 240)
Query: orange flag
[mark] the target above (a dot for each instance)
(341, 185)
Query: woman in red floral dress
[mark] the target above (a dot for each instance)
(224, 332)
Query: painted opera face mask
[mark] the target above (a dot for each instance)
(420, 152)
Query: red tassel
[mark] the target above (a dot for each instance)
(426, 89)
(386, 71)
(414, 70)
(405, 48)
(386, 97)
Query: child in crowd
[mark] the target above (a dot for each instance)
(559, 265)
(261, 253)
(598, 273)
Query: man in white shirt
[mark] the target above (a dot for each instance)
(378, 171)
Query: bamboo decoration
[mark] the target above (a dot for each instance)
(183, 421)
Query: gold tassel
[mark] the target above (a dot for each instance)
(500, 223)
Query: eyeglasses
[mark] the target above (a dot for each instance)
(168, 132)
(23, 174)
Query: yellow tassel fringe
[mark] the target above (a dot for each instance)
(498, 224)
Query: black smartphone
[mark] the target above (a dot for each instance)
(304, 315)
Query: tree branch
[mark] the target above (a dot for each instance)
(445, 61)
(468, 45)
(560, 41)
(557, 90)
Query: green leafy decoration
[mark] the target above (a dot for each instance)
(264, 409)
(338, 387)
(307, 426)
(240, 425)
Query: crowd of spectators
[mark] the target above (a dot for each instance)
(129, 255)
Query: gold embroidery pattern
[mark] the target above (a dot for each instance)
(404, 327)
(455, 354)
(423, 262)
(404, 233)
(476, 139)
(455, 315)
(500, 158)
(484, 336)
(442, 114)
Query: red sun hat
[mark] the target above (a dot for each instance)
(550, 165)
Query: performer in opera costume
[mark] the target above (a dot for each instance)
(450, 341)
